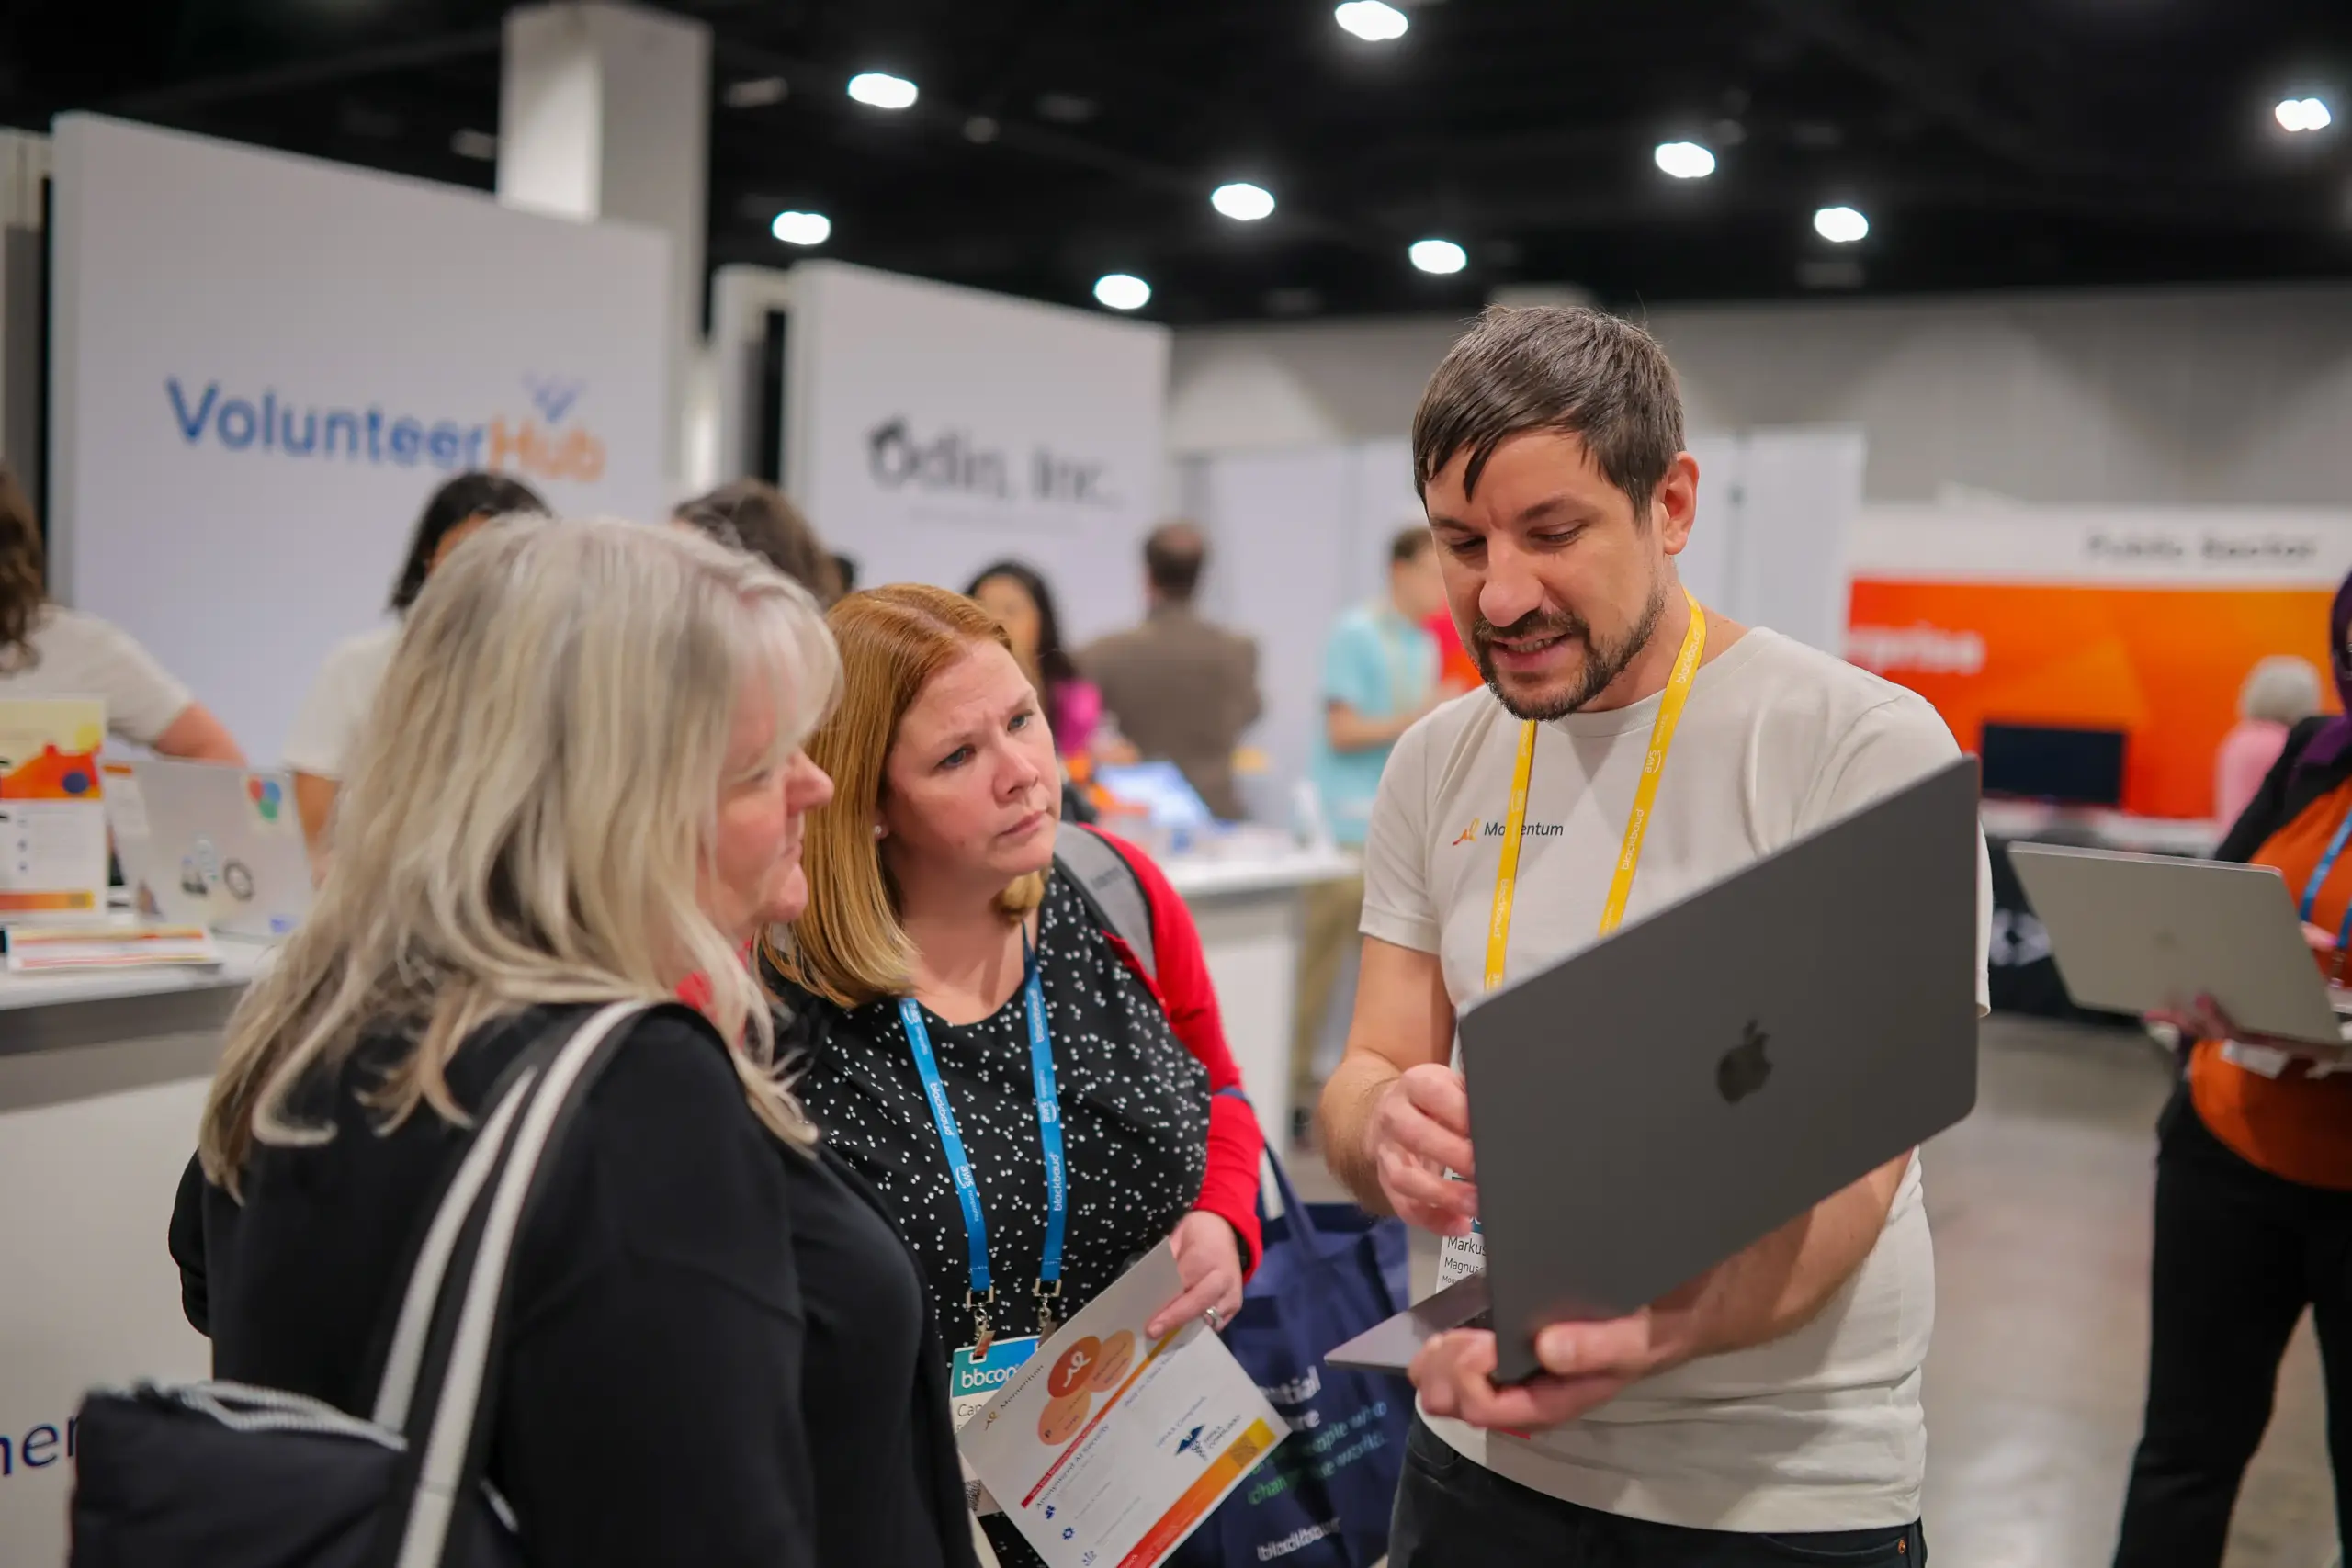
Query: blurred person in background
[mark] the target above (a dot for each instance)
(946, 963)
(587, 786)
(1017, 596)
(1181, 689)
(1457, 671)
(2253, 1185)
(754, 516)
(328, 727)
(48, 650)
(2279, 693)
(1381, 673)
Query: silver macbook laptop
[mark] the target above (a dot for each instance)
(1648, 1107)
(2137, 933)
(204, 843)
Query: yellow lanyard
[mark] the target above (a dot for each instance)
(1621, 886)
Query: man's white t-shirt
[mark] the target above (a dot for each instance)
(326, 728)
(74, 655)
(1821, 1430)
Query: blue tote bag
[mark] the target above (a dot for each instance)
(1322, 1498)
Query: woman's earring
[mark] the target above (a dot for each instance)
(880, 831)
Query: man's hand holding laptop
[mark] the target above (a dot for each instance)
(1420, 1130)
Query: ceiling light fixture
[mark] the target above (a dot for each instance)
(1685, 160)
(1840, 225)
(802, 228)
(1122, 291)
(1375, 21)
(1438, 255)
(880, 89)
(1243, 202)
(2302, 114)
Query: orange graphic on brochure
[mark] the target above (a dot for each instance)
(53, 775)
(1201, 1496)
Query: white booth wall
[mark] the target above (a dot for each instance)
(2229, 397)
(264, 365)
(930, 429)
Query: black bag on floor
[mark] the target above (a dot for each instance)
(216, 1474)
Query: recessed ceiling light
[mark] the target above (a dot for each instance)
(756, 93)
(802, 228)
(1122, 291)
(880, 89)
(476, 144)
(980, 128)
(2302, 114)
(1840, 225)
(1685, 160)
(1243, 202)
(1375, 21)
(1438, 255)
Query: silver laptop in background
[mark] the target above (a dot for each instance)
(206, 843)
(2137, 933)
(1650, 1106)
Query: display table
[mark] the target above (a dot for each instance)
(1247, 907)
(102, 1078)
(2029, 820)
(103, 1075)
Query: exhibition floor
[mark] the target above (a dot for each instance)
(2041, 1208)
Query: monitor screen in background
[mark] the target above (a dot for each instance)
(1159, 790)
(2034, 762)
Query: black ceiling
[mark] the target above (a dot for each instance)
(1992, 143)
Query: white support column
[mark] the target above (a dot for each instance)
(605, 112)
(24, 165)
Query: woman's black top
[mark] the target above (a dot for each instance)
(1134, 1115)
(720, 1353)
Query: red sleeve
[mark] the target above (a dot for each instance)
(1237, 1143)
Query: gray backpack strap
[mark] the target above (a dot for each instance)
(1110, 886)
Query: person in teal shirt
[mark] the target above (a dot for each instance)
(1380, 675)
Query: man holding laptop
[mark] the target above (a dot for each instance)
(1631, 747)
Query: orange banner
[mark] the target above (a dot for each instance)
(2163, 664)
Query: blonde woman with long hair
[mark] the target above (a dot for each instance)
(583, 780)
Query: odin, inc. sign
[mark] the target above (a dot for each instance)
(952, 463)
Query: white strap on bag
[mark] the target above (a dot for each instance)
(398, 1388)
(528, 1113)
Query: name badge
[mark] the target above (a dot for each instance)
(972, 1380)
(1462, 1256)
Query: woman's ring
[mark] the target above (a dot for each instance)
(1216, 1320)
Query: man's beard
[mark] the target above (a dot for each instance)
(1602, 664)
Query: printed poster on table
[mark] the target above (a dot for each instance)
(52, 825)
(1107, 1449)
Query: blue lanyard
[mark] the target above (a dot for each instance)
(2319, 875)
(951, 1143)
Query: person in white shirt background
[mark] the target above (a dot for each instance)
(1768, 1412)
(49, 650)
(326, 728)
